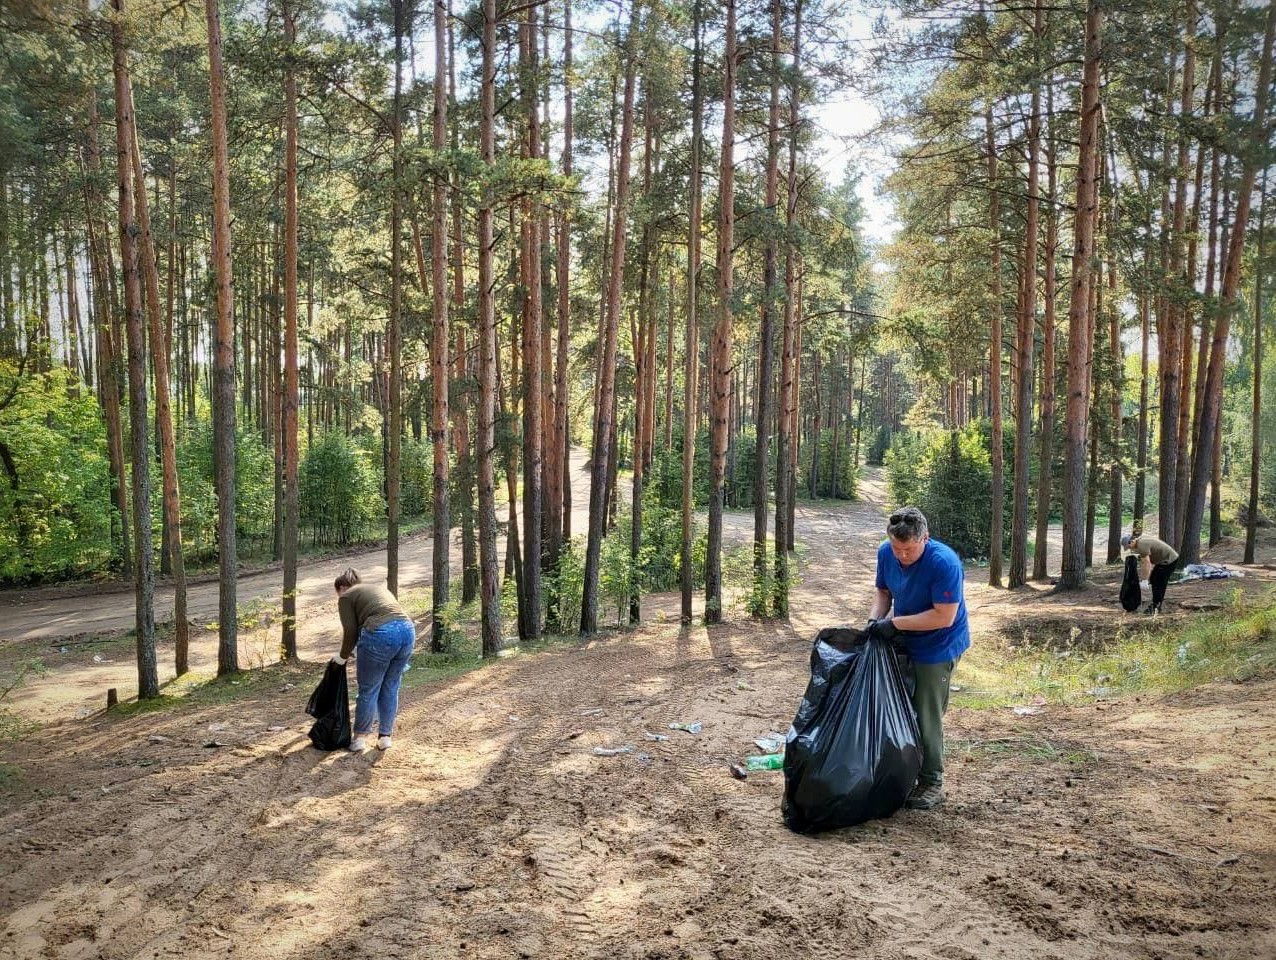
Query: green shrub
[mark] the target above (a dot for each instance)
(254, 488)
(844, 484)
(339, 494)
(416, 466)
(948, 476)
(56, 516)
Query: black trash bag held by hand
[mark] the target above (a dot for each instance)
(1131, 593)
(330, 705)
(853, 752)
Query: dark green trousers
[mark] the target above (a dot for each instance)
(930, 700)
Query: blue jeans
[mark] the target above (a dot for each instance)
(381, 656)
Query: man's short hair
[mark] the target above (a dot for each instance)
(907, 523)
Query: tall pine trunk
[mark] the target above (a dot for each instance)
(441, 571)
(720, 363)
(1027, 325)
(533, 384)
(1046, 454)
(691, 348)
(1256, 415)
(223, 358)
(997, 533)
(770, 295)
(1209, 436)
(604, 422)
(1079, 323)
(290, 391)
(143, 549)
(394, 326)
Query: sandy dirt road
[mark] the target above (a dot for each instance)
(1136, 829)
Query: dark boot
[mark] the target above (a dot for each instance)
(926, 796)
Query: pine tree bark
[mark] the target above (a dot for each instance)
(441, 571)
(1256, 414)
(161, 349)
(1045, 459)
(720, 360)
(1190, 549)
(533, 383)
(691, 346)
(143, 549)
(291, 388)
(1175, 332)
(770, 296)
(394, 326)
(223, 358)
(489, 585)
(1079, 323)
(604, 437)
(1018, 574)
(558, 488)
(997, 533)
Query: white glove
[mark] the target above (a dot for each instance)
(1144, 585)
(339, 660)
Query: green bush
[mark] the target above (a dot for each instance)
(948, 476)
(416, 465)
(881, 445)
(55, 506)
(844, 484)
(339, 493)
(254, 489)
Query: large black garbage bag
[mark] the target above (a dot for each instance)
(853, 752)
(1131, 594)
(330, 704)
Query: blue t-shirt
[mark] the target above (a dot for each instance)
(936, 577)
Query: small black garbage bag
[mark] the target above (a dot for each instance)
(1131, 593)
(853, 752)
(330, 705)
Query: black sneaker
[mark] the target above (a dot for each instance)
(926, 796)
(1152, 608)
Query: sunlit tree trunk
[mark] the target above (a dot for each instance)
(1027, 325)
(691, 347)
(441, 571)
(720, 361)
(144, 571)
(770, 295)
(604, 421)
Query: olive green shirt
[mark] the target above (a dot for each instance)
(365, 606)
(1158, 551)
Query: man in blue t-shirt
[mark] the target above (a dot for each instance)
(922, 579)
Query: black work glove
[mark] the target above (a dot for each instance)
(883, 629)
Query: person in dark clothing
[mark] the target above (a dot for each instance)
(920, 606)
(1157, 560)
(373, 624)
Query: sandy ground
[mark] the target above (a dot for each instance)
(1143, 828)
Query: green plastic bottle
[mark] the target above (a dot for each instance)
(773, 761)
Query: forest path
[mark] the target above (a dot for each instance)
(1141, 828)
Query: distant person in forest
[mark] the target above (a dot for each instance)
(1157, 560)
(920, 607)
(374, 624)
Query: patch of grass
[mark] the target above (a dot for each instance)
(1028, 747)
(201, 689)
(1236, 644)
(10, 776)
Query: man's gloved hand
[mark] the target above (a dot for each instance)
(883, 629)
(339, 660)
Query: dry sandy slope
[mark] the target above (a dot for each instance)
(1146, 829)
